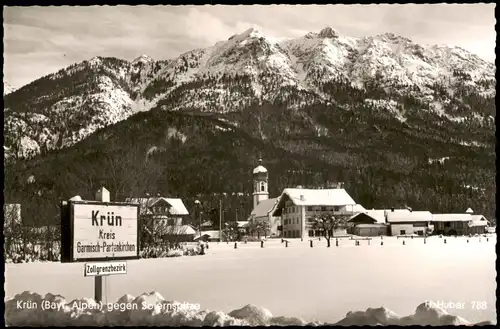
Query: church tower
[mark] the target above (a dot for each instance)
(260, 191)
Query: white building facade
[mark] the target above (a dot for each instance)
(297, 206)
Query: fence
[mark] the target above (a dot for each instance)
(28, 244)
(24, 244)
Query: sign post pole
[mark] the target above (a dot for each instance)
(103, 196)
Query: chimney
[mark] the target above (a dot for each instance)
(301, 197)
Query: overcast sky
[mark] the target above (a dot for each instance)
(42, 40)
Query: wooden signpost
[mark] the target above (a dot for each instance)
(101, 233)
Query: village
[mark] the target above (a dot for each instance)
(298, 213)
(307, 213)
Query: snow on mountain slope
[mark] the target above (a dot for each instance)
(74, 102)
(7, 88)
(237, 73)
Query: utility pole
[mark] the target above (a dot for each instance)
(220, 220)
(198, 208)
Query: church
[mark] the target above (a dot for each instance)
(263, 207)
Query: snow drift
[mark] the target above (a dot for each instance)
(149, 309)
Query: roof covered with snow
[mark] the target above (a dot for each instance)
(213, 234)
(478, 223)
(408, 217)
(378, 214)
(314, 197)
(175, 230)
(176, 206)
(478, 217)
(358, 208)
(242, 223)
(451, 217)
(264, 207)
(259, 169)
(380, 219)
(469, 211)
(376, 225)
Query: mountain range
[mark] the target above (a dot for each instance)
(397, 121)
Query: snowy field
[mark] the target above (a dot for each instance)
(316, 283)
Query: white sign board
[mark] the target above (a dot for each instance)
(104, 231)
(105, 268)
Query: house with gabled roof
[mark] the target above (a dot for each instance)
(451, 224)
(367, 223)
(297, 206)
(161, 208)
(409, 222)
(164, 216)
(460, 224)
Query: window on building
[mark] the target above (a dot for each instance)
(311, 233)
(336, 208)
(447, 224)
(309, 208)
(323, 208)
(262, 187)
(402, 232)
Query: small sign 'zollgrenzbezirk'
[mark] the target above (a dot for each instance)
(105, 268)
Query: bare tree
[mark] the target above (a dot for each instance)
(327, 224)
(231, 231)
(263, 226)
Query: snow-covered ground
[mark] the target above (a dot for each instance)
(317, 283)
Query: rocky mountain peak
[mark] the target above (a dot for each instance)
(328, 32)
(142, 59)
